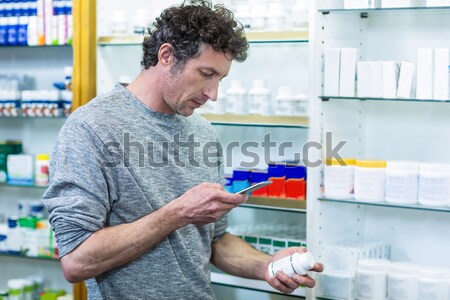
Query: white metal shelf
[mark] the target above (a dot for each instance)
(385, 9)
(387, 204)
(326, 98)
(258, 285)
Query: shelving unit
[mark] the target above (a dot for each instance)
(275, 204)
(378, 128)
(253, 37)
(257, 285)
(257, 120)
(29, 257)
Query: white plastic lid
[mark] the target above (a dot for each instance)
(373, 264)
(27, 282)
(285, 90)
(15, 284)
(402, 267)
(402, 165)
(68, 70)
(432, 273)
(303, 262)
(435, 167)
(259, 83)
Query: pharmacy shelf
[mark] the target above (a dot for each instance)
(2, 184)
(386, 204)
(31, 118)
(250, 284)
(253, 37)
(271, 203)
(326, 98)
(6, 254)
(34, 47)
(416, 8)
(257, 120)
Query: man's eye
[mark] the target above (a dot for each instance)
(206, 74)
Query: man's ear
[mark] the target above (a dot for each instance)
(165, 55)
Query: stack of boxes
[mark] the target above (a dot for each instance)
(288, 180)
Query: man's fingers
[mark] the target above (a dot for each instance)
(304, 280)
(277, 284)
(286, 280)
(318, 267)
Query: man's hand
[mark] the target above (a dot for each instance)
(205, 203)
(282, 282)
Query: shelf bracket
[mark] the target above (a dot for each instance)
(325, 13)
(364, 15)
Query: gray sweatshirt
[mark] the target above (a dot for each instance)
(114, 162)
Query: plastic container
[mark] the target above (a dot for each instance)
(236, 99)
(402, 182)
(140, 21)
(371, 279)
(276, 20)
(15, 288)
(402, 281)
(259, 100)
(434, 184)
(297, 263)
(283, 100)
(42, 165)
(338, 178)
(119, 24)
(432, 284)
(331, 285)
(28, 287)
(369, 180)
(299, 104)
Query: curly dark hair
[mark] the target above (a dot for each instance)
(189, 25)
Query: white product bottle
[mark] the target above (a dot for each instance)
(236, 99)
(284, 101)
(371, 279)
(218, 106)
(16, 289)
(259, 100)
(297, 263)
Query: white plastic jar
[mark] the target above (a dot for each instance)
(236, 99)
(434, 184)
(402, 182)
(402, 281)
(432, 284)
(369, 180)
(284, 101)
(259, 100)
(300, 104)
(371, 279)
(338, 177)
(15, 289)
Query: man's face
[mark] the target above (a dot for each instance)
(194, 83)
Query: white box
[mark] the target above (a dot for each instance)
(437, 2)
(441, 63)
(376, 79)
(349, 4)
(390, 79)
(406, 80)
(424, 88)
(363, 79)
(331, 72)
(335, 285)
(349, 56)
(395, 3)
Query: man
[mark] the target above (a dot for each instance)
(135, 214)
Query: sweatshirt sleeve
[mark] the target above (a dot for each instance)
(78, 199)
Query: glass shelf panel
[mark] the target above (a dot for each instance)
(257, 120)
(6, 254)
(416, 8)
(271, 203)
(32, 118)
(251, 284)
(383, 99)
(386, 204)
(34, 47)
(253, 37)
